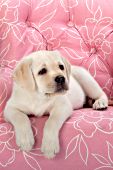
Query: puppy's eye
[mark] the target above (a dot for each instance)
(61, 67)
(43, 71)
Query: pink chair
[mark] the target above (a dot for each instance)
(82, 30)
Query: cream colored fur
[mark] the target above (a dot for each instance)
(37, 94)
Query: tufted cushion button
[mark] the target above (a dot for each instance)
(49, 46)
(70, 24)
(28, 23)
(93, 50)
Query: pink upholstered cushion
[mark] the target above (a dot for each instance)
(83, 32)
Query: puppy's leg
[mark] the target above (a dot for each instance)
(23, 131)
(59, 113)
(91, 87)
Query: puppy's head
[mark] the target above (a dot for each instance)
(45, 71)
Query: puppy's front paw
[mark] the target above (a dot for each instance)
(50, 146)
(25, 139)
(100, 104)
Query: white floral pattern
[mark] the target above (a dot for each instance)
(83, 32)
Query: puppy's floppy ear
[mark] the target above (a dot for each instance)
(67, 66)
(23, 75)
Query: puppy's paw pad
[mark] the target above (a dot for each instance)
(100, 104)
(50, 147)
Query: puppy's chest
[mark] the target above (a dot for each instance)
(39, 107)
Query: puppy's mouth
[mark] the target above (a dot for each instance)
(60, 89)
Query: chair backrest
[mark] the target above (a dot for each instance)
(81, 30)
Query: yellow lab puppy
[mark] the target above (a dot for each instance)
(45, 82)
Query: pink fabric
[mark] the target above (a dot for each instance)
(83, 32)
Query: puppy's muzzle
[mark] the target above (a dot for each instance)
(61, 84)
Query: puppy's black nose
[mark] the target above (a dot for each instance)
(60, 79)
